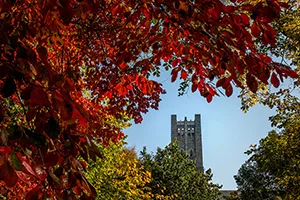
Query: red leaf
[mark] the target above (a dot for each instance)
(77, 190)
(293, 74)
(185, 50)
(42, 51)
(220, 82)
(228, 8)
(174, 74)
(115, 10)
(245, 19)
(209, 98)
(79, 117)
(24, 177)
(275, 80)
(50, 159)
(8, 175)
(25, 164)
(175, 62)
(252, 83)
(215, 12)
(5, 150)
(183, 75)
(39, 97)
(226, 83)
(35, 193)
(255, 30)
(40, 173)
(229, 90)
(194, 87)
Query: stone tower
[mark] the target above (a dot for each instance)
(188, 134)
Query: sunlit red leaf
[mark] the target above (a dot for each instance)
(175, 62)
(77, 190)
(184, 75)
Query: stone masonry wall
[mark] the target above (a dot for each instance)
(188, 134)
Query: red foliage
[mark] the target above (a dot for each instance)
(53, 50)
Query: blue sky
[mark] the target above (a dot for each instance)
(226, 131)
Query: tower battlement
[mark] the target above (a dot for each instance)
(189, 137)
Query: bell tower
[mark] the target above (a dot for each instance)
(188, 135)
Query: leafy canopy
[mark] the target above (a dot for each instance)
(68, 67)
(273, 169)
(286, 50)
(175, 175)
(119, 174)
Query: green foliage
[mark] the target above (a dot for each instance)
(279, 155)
(288, 29)
(119, 174)
(277, 158)
(175, 175)
(254, 184)
(233, 196)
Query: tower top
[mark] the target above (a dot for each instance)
(188, 135)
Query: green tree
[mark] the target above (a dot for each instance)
(119, 174)
(174, 174)
(278, 155)
(255, 185)
(288, 34)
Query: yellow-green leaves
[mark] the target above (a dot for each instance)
(119, 175)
